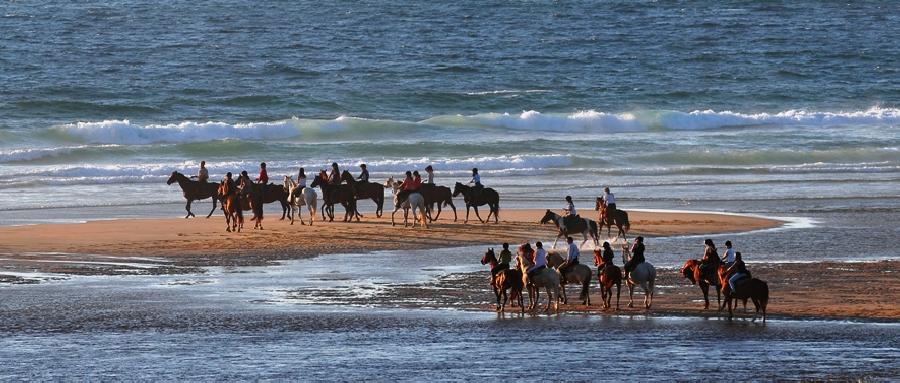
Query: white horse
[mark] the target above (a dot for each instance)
(298, 198)
(547, 278)
(414, 201)
(644, 275)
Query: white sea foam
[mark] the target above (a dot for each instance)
(126, 132)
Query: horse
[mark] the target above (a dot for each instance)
(724, 287)
(413, 201)
(234, 216)
(581, 225)
(333, 194)
(608, 275)
(194, 191)
(366, 190)
(439, 195)
(487, 196)
(618, 217)
(751, 288)
(507, 279)
(298, 198)
(546, 278)
(691, 271)
(644, 274)
(578, 273)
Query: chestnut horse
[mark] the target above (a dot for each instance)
(486, 196)
(580, 274)
(508, 279)
(194, 191)
(608, 275)
(691, 271)
(234, 216)
(618, 218)
(366, 190)
(334, 194)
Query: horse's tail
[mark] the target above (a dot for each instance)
(763, 296)
(595, 229)
(584, 286)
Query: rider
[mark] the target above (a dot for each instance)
(230, 182)
(502, 261)
(571, 257)
(408, 186)
(476, 180)
(728, 255)
(637, 256)
(202, 176)
(364, 175)
(244, 183)
(263, 175)
(430, 171)
(610, 200)
(335, 177)
(739, 269)
(608, 254)
(539, 259)
(710, 261)
(301, 179)
(569, 213)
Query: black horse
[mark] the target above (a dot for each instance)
(195, 191)
(366, 190)
(334, 194)
(474, 199)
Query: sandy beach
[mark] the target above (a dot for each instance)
(183, 246)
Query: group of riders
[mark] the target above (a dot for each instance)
(411, 184)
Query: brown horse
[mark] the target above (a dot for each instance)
(691, 271)
(608, 275)
(746, 288)
(334, 194)
(366, 190)
(194, 191)
(486, 196)
(440, 195)
(580, 274)
(576, 225)
(619, 218)
(234, 216)
(508, 279)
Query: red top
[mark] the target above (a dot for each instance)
(263, 177)
(410, 185)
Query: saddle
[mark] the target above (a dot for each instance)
(571, 221)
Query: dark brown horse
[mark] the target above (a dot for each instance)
(234, 216)
(194, 191)
(748, 288)
(618, 217)
(440, 195)
(691, 271)
(486, 196)
(366, 190)
(575, 225)
(608, 275)
(508, 279)
(335, 194)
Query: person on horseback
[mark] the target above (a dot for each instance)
(301, 179)
(229, 182)
(710, 261)
(430, 171)
(364, 175)
(335, 177)
(244, 183)
(571, 257)
(608, 254)
(202, 177)
(739, 269)
(538, 257)
(570, 216)
(408, 187)
(263, 175)
(728, 255)
(610, 200)
(476, 181)
(637, 256)
(502, 261)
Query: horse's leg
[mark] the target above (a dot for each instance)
(438, 214)
(550, 299)
(583, 234)
(718, 297)
(188, 208)
(562, 288)
(215, 200)
(467, 214)
(618, 294)
(454, 210)
(477, 215)
(630, 294)
(392, 216)
(704, 287)
(584, 291)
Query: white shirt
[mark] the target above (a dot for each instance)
(301, 182)
(570, 208)
(729, 255)
(609, 198)
(430, 177)
(573, 252)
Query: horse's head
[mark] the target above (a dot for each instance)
(347, 177)
(488, 257)
(599, 203)
(548, 216)
(173, 178)
(688, 269)
(458, 189)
